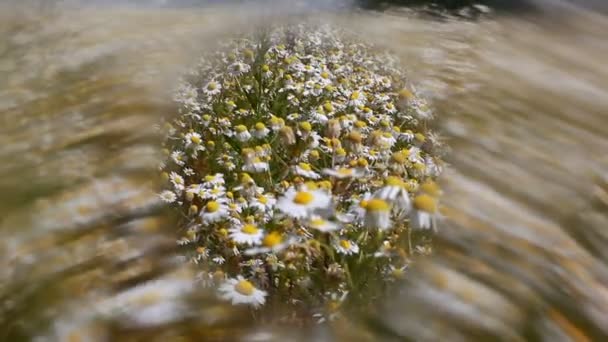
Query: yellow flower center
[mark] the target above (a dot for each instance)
(200, 250)
(345, 244)
(355, 136)
(212, 86)
(262, 199)
(317, 222)
(240, 128)
(363, 204)
(360, 124)
(328, 107)
(426, 203)
(325, 75)
(420, 137)
(400, 157)
(212, 206)
(303, 197)
(305, 166)
(195, 139)
(393, 181)
(354, 95)
(249, 229)
(431, 188)
(376, 204)
(305, 126)
(260, 126)
(345, 171)
(272, 239)
(341, 152)
(265, 68)
(244, 287)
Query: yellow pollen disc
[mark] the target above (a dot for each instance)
(212, 207)
(215, 191)
(419, 166)
(260, 126)
(354, 95)
(303, 198)
(363, 204)
(265, 68)
(328, 107)
(317, 222)
(305, 166)
(360, 124)
(272, 239)
(362, 162)
(399, 157)
(376, 204)
(420, 137)
(431, 188)
(240, 128)
(340, 152)
(345, 244)
(249, 229)
(426, 203)
(345, 171)
(387, 135)
(263, 199)
(244, 287)
(324, 74)
(305, 126)
(200, 250)
(211, 86)
(390, 106)
(195, 139)
(393, 181)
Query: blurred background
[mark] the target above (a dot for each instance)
(520, 89)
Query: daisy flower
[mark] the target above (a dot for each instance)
(425, 212)
(212, 88)
(167, 196)
(321, 224)
(177, 181)
(273, 242)
(241, 291)
(346, 247)
(304, 169)
(260, 131)
(300, 204)
(344, 172)
(377, 214)
(214, 211)
(247, 233)
(241, 133)
(394, 191)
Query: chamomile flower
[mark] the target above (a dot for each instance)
(247, 233)
(425, 213)
(346, 247)
(344, 172)
(241, 133)
(260, 131)
(304, 169)
(319, 223)
(177, 181)
(394, 191)
(214, 211)
(212, 88)
(273, 242)
(168, 196)
(377, 214)
(241, 291)
(301, 204)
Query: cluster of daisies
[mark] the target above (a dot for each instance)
(302, 165)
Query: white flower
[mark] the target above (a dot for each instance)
(212, 88)
(344, 172)
(177, 181)
(263, 202)
(238, 68)
(304, 169)
(242, 291)
(247, 233)
(260, 131)
(214, 211)
(346, 247)
(356, 99)
(191, 139)
(319, 223)
(425, 213)
(300, 204)
(273, 242)
(168, 196)
(256, 165)
(178, 157)
(241, 133)
(394, 192)
(377, 214)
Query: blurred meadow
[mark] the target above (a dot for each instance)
(520, 98)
